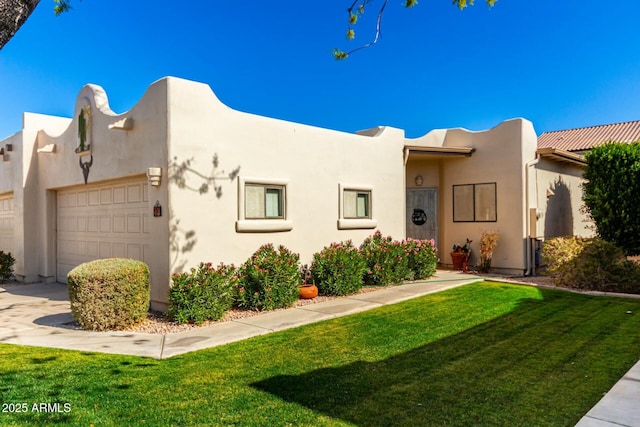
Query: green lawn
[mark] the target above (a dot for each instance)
(483, 354)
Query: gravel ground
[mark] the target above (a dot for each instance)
(158, 323)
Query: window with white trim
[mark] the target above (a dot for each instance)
(262, 205)
(357, 204)
(355, 207)
(264, 201)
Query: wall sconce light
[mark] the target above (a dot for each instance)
(1, 151)
(419, 180)
(550, 193)
(157, 209)
(153, 175)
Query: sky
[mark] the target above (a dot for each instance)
(560, 63)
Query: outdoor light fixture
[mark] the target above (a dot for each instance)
(157, 209)
(419, 180)
(154, 174)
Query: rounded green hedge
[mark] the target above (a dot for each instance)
(109, 294)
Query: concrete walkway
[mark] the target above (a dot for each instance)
(39, 315)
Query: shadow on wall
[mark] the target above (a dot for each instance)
(181, 241)
(181, 172)
(185, 177)
(559, 214)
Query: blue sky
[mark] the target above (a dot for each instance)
(560, 64)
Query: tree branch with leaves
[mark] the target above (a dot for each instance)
(14, 13)
(357, 9)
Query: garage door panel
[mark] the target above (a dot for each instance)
(134, 194)
(101, 221)
(134, 251)
(134, 223)
(6, 223)
(94, 197)
(119, 250)
(92, 250)
(119, 222)
(82, 198)
(92, 224)
(146, 253)
(105, 224)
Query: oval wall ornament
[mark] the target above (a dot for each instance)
(419, 217)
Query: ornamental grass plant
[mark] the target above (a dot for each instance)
(488, 243)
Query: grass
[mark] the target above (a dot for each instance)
(484, 354)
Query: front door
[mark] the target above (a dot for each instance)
(422, 213)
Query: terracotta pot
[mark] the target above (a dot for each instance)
(308, 291)
(460, 260)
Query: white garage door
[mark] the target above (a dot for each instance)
(6, 223)
(98, 221)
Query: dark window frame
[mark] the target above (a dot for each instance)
(474, 203)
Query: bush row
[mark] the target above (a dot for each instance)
(590, 264)
(270, 278)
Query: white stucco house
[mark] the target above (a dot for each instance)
(182, 179)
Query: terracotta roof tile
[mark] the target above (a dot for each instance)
(585, 138)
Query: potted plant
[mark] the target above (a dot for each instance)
(488, 242)
(460, 256)
(307, 289)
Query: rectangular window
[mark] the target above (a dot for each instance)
(357, 204)
(475, 203)
(355, 207)
(264, 201)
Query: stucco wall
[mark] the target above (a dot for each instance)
(559, 201)
(500, 156)
(312, 160)
(117, 153)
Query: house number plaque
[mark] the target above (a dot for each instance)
(419, 217)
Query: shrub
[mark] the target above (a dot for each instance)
(488, 243)
(610, 189)
(385, 259)
(590, 264)
(269, 279)
(338, 269)
(203, 294)
(558, 252)
(109, 293)
(422, 257)
(6, 266)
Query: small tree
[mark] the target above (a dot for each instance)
(610, 191)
